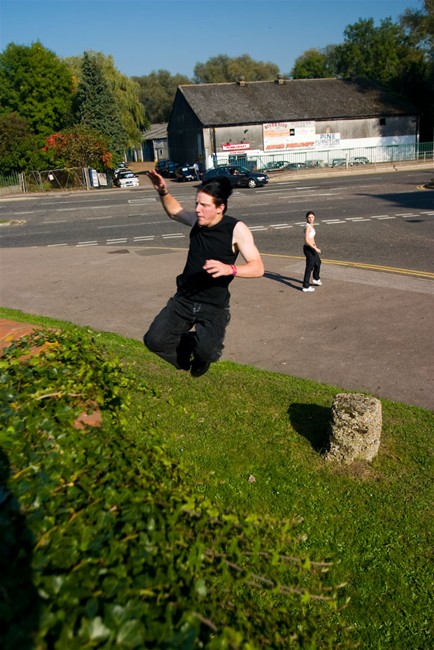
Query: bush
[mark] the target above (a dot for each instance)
(104, 545)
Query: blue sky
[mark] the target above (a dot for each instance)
(174, 35)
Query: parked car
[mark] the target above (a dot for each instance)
(359, 160)
(275, 165)
(126, 179)
(122, 167)
(185, 173)
(339, 162)
(167, 168)
(238, 176)
(294, 166)
(313, 163)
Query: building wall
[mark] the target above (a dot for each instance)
(190, 141)
(185, 134)
(315, 139)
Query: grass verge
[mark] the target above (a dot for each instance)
(374, 520)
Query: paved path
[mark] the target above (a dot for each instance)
(362, 330)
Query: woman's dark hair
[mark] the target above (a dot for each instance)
(309, 212)
(220, 189)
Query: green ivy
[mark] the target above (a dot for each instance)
(103, 544)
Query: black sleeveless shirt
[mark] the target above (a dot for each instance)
(214, 243)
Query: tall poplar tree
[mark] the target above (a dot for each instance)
(95, 105)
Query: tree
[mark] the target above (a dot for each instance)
(157, 92)
(96, 106)
(312, 64)
(419, 28)
(79, 146)
(125, 89)
(374, 53)
(16, 142)
(36, 85)
(222, 68)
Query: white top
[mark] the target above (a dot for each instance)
(312, 230)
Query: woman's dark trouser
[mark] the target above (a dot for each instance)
(313, 263)
(169, 335)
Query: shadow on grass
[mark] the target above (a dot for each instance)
(294, 283)
(312, 422)
(19, 599)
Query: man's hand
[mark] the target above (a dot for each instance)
(216, 269)
(157, 181)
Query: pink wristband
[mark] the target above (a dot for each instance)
(234, 269)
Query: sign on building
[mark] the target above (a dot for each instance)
(289, 135)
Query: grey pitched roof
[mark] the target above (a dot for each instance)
(291, 99)
(156, 132)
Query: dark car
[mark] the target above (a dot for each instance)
(167, 168)
(295, 165)
(273, 166)
(339, 162)
(238, 176)
(185, 173)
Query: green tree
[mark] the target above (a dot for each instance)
(15, 138)
(312, 64)
(20, 149)
(419, 75)
(222, 68)
(37, 85)
(96, 105)
(125, 89)
(399, 56)
(157, 92)
(374, 53)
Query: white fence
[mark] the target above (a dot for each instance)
(336, 157)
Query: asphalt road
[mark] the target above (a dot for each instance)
(381, 219)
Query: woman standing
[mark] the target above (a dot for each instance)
(311, 251)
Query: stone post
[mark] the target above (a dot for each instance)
(355, 428)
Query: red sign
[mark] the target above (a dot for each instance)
(235, 147)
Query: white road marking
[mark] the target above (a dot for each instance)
(144, 200)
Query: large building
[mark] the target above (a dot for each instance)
(291, 120)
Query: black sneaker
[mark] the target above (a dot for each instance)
(199, 368)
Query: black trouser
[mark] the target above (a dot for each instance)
(170, 337)
(313, 263)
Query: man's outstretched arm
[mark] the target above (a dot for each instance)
(171, 205)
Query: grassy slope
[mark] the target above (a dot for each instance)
(374, 519)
